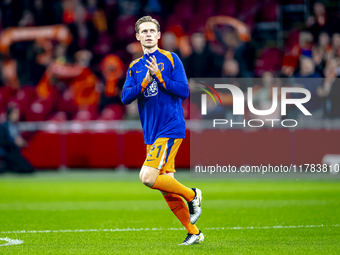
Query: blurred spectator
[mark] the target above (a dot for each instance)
(39, 13)
(289, 64)
(27, 19)
(153, 6)
(76, 83)
(10, 144)
(322, 52)
(170, 42)
(324, 44)
(321, 21)
(9, 73)
(305, 43)
(132, 111)
(11, 12)
(69, 7)
(81, 98)
(200, 63)
(307, 69)
(310, 80)
(330, 91)
(231, 69)
(96, 15)
(112, 68)
(129, 7)
(48, 88)
(231, 42)
(232, 75)
(83, 31)
(213, 46)
(28, 12)
(135, 49)
(318, 59)
(263, 97)
(336, 45)
(245, 55)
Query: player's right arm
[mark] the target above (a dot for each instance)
(132, 90)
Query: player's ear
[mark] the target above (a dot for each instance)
(159, 35)
(137, 37)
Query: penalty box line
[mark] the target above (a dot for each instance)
(161, 229)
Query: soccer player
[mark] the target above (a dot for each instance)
(158, 81)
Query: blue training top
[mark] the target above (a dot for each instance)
(160, 101)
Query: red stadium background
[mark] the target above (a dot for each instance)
(63, 64)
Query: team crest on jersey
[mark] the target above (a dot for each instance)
(161, 66)
(151, 90)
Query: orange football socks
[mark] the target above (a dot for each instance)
(179, 208)
(169, 184)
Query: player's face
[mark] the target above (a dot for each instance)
(148, 34)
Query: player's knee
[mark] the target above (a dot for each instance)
(148, 181)
(149, 175)
(141, 175)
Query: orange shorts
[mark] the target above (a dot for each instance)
(161, 155)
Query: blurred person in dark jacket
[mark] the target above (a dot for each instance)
(309, 79)
(83, 32)
(201, 63)
(112, 69)
(322, 21)
(10, 144)
(330, 91)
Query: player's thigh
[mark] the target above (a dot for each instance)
(142, 170)
(161, 154)
(169, 165)
(157, 153)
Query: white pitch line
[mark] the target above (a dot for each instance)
(159, 229)
(10, 241)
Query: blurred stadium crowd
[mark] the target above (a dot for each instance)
(67, 59)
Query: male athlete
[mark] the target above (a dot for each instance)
(158, 81)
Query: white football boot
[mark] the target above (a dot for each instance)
(193, 239)
(194, 206)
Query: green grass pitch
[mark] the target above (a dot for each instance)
(98, 212)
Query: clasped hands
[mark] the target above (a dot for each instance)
(152, 68)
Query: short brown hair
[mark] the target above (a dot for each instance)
(146, 19)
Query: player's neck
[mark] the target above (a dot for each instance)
(150, 50)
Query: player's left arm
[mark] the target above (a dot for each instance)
(177, 84)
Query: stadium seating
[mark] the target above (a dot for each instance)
(248, 11)
(5, 94)
(228, 8)
(125, 29)
(23, 99)
(270, 12)
(269, 60)
(112, 112)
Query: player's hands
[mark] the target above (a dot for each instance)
(153, 67)
(148, 76)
